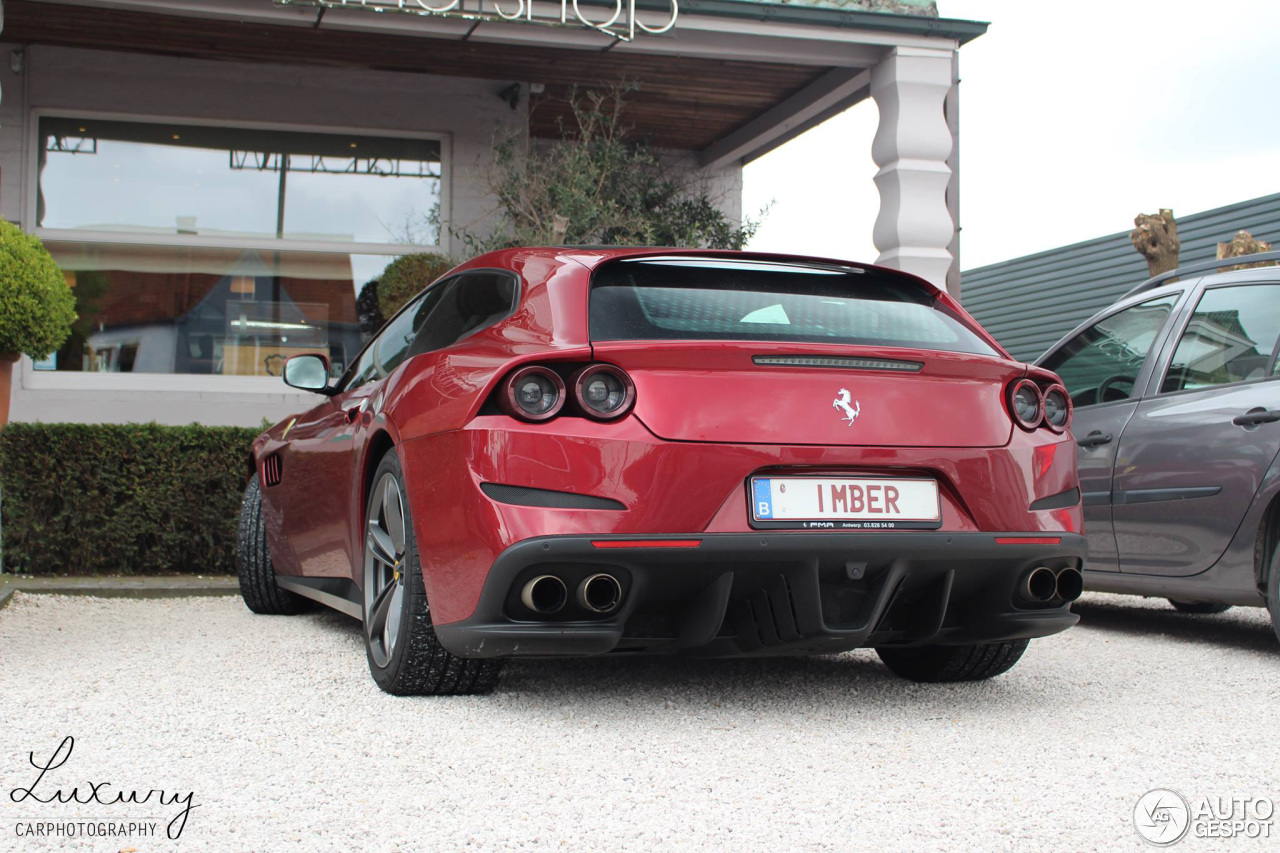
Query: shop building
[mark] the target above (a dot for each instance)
(219, 178)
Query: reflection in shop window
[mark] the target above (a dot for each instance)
(152, 178)
(227, 312)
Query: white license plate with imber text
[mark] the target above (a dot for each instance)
(844, 499)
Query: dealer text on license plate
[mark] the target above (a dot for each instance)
(845, 503)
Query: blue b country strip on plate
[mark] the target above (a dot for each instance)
(763, 499)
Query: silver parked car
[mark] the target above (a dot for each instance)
(1177, 416)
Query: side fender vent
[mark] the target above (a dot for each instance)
(272, 470)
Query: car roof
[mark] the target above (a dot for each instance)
(1155, 283)
(1172, 284)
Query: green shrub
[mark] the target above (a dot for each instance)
(368, 310)
(86, 499)
(596, 183)
(36, 305)
(405, 277)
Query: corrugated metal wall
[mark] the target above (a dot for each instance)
(1029, 303)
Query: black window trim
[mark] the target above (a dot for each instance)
(1166, 357)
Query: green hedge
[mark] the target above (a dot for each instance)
(87, 499)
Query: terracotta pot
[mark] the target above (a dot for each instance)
(7, 360)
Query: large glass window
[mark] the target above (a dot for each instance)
(167, 259)
(710, 299)
(1231, 337)
(149, 178)
(230, 312)
(1102, 363)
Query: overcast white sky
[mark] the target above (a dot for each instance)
(1074, 117)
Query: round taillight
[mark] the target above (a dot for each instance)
(1026, 404)
(1057, 408)
(603, 391)
(533, 394)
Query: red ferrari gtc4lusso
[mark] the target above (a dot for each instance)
(580, 451)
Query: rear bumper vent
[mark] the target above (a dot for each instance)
(272, 470)
(838, 361)
(1061, 500)
(525, 496)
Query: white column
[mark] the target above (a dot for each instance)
(952, 110)
(911, 147)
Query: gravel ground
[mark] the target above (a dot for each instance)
(275, 726)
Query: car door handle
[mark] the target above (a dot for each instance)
(1094, 439)
(1256, 417)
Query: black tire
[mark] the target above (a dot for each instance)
(1199, 606)
(419, 665)
(953, 663)
(1273, 592)
(253, 561)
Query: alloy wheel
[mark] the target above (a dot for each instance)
(384, 569)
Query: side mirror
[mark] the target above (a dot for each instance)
(308, 372)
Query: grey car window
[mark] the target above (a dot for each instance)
(1102, 363)
(1229, 338)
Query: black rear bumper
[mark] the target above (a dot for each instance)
(775, 593)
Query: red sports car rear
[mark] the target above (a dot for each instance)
(578, 452)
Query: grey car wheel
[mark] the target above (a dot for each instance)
(405, 657)
(384, 569)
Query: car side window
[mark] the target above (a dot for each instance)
(363, 371)
(1230, 337)
(1102, 363)
(472, 302)
(393, 344)
(390, 346)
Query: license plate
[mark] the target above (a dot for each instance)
(845, 502)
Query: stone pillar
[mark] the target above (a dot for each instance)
(953, 188)
(911, 147)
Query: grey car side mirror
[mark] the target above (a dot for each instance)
(308, 372)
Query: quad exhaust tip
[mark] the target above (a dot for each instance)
(600, 593)
(1040, 585)
(1070, 583)
(544, 594)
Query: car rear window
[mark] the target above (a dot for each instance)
(714, 299)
